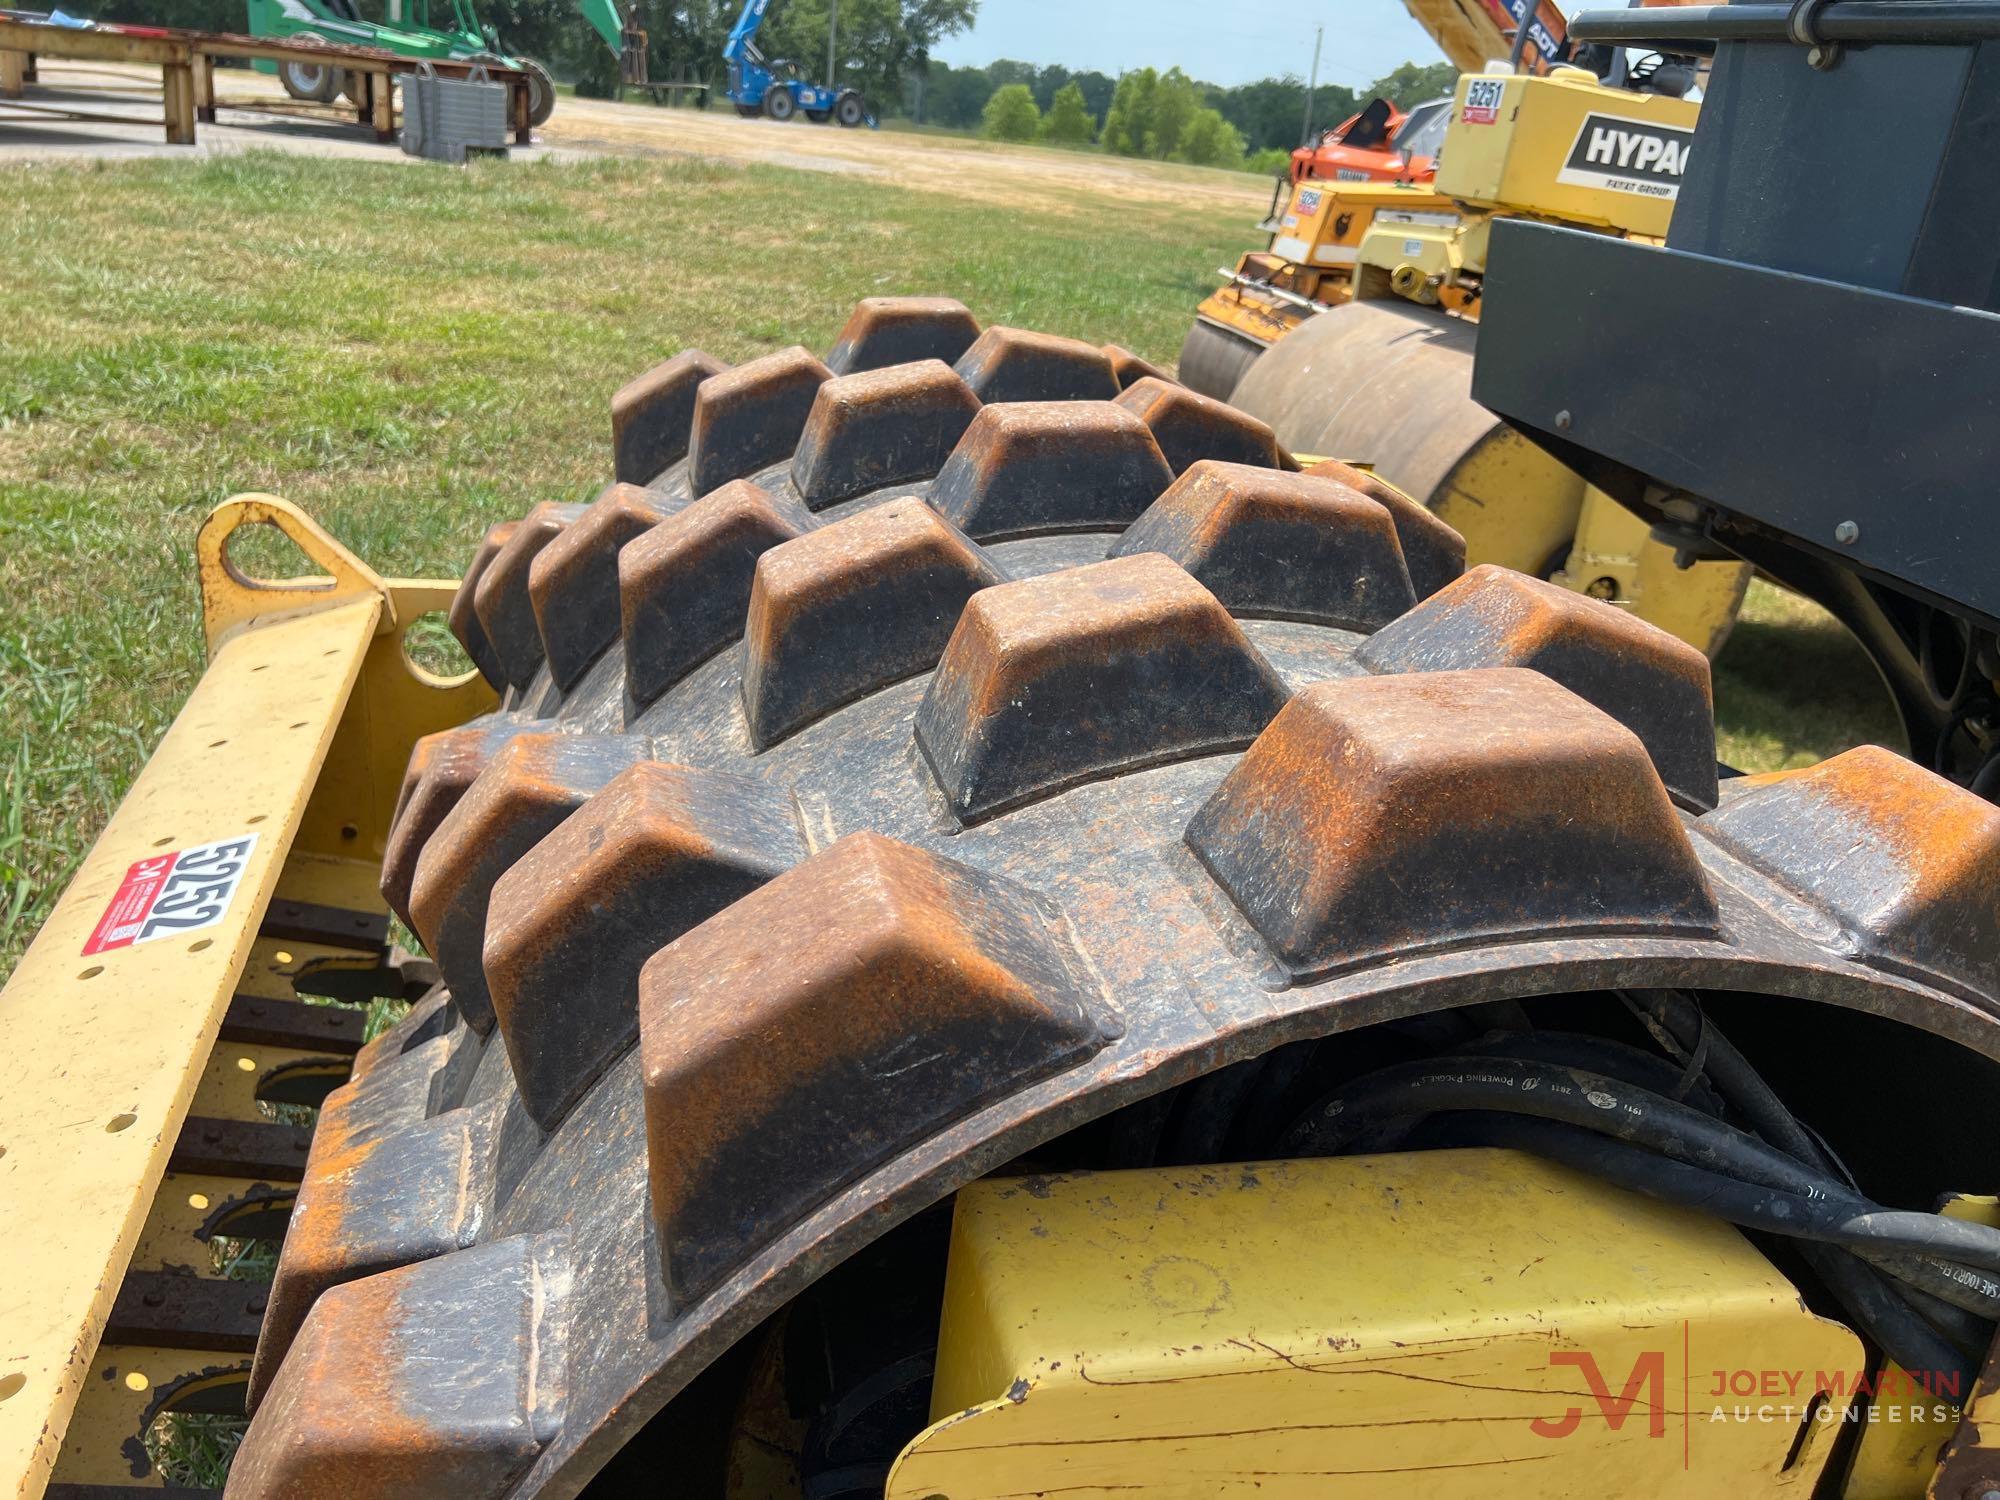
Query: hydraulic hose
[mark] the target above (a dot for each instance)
(1968, 1332)
(1752, 1182)
(1677, 1022)
(1574, 1096)
(1899, 1329)
(1596, 1054)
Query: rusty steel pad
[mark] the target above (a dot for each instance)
(874, 428)
(1190, 426)
(899, 331)
(1015, 364)
(750, 416)
(1031, 467)
(500, 598)
(573, 581)
(464, 619)
(1228, 523)
(651, 415)
(1131, 368)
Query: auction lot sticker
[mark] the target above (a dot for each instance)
(1482, 101)
(180, 891)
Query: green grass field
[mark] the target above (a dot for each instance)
(413, 354)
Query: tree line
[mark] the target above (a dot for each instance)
(1166, 116)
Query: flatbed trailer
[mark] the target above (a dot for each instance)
(187, 60)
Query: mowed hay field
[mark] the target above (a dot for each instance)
(414, 353)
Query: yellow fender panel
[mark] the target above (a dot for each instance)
(1451, 1323)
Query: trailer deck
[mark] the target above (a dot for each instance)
(187, 63)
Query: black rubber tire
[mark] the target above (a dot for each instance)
(541, 89)
(789, 663)
(749, 111)
(314, 84)
(779, 103)
(850, 109)
(541, 93)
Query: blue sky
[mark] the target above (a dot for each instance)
(1221, 43)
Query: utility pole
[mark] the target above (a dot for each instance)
(832, 26)
(1305, 126)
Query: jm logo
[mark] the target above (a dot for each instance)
(1648, 1380)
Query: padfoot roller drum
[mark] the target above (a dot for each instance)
(973, 758)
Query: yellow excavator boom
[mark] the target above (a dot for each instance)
(1472, 33)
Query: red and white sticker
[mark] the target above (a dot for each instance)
(180, 891)
(1483, 97)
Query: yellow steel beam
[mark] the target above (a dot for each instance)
(101, 1052)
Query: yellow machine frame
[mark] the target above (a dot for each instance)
(1518, 160)
(298, 732)
(1315, 248)
(1527, 150)
(1507, 153)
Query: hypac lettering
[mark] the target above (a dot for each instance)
(1641, 151)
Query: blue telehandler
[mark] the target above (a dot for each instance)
(775, 87)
